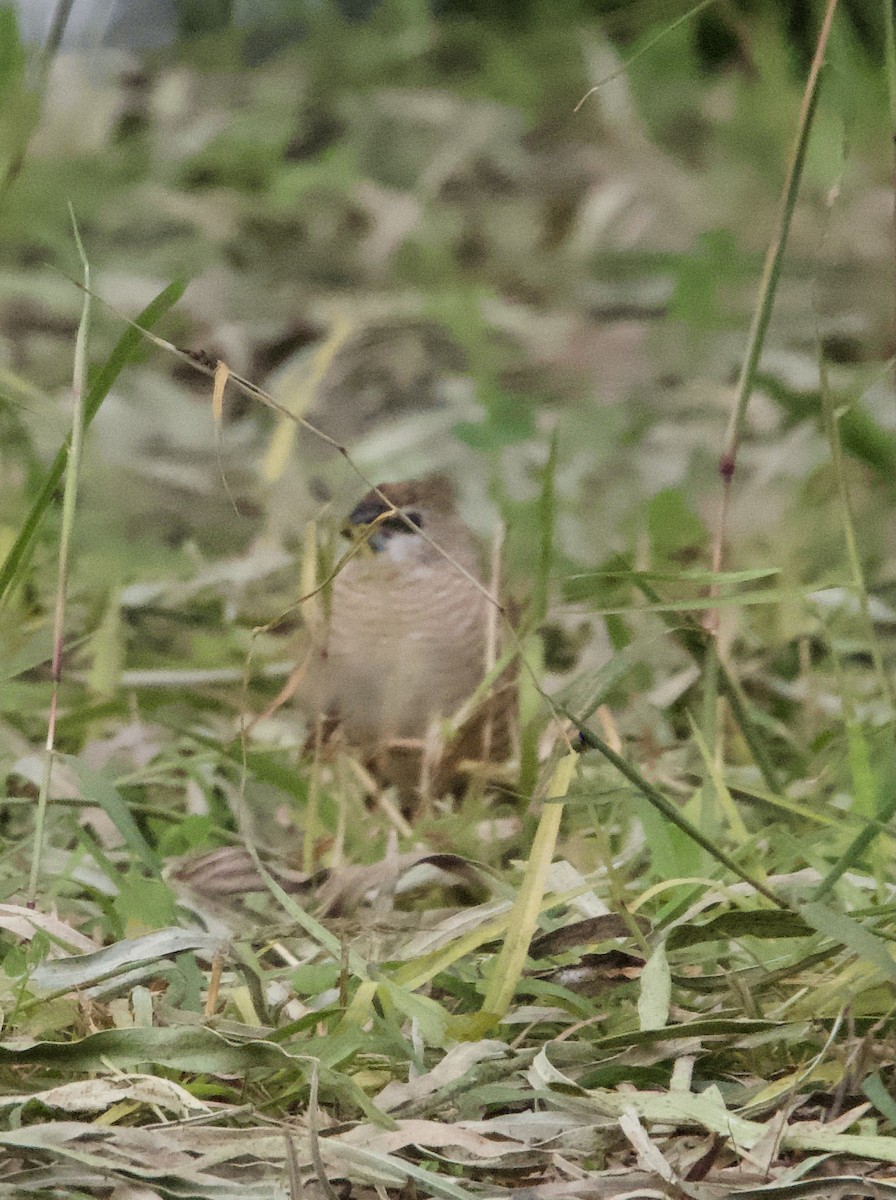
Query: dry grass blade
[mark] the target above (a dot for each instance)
(320, 1171)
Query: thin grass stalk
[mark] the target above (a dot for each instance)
(643, 48)
(890, 54)
(831, 424)
(769, 283)
(617, 895)
(857, 848)
(312, 806)
(669, 811)
(759, 327)
(61, 14)
(531, 651)
(855, 851)
(69, 502)
(709, 723)
(58, 23)
(890, 62)
(693, 638)
(547, 521)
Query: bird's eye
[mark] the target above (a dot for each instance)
(399, 524)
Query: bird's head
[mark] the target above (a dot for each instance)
(391, 517)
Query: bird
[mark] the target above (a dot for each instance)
(407, 640)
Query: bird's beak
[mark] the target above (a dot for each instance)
(361, 536)
(364, 539)
(366, 514)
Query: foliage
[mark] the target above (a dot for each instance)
(662, 961)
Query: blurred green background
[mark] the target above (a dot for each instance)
(449, 234)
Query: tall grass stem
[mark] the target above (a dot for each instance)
(69, 502)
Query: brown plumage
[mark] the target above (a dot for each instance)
(406, 641)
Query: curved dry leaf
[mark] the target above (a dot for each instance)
(96, 1095)
(24, 922)
(84, 969)
(454, 1065)
(434, 1135)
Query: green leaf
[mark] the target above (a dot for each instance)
(655, 991)
(315, 978)
(686, 576)
(508, 421)
(876, 1091)
(192, 833)
(99, 788)
(673, 854)
(861, 435)
(184, 1049)
(108, 651)
(431, 1017)
(851, 934)
(37, 649)
(144, 903)
(761, 923)
(507, 968)
(12, 55)
(86, 970)
(672, 523)
(699, 277)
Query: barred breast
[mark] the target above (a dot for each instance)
(406, 644)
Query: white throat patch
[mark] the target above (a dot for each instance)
(402, 547)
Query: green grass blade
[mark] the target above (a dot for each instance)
(512, 957)
(69, 502)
